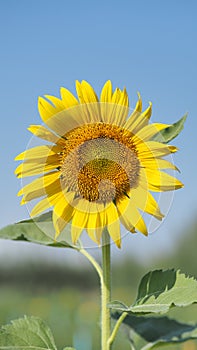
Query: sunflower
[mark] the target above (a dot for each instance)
(99, 164)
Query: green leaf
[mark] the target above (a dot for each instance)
(168, 134)
(159, 291)
(159, 331)
(25, 334)
(37, 230)
(68, 348)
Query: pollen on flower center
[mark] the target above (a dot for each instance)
(102, 180)
(99, 163)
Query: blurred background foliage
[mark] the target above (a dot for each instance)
(67, 297)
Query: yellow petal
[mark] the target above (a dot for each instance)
(78, 224)
(106, 93)
(64, 203)
(152, 149)
(124, 100)
(129, 213)
(100, 224)
(90, 108)
(144, 201)
(114, 113)
(114, 108)
(107, 112)
(135, 115)
(157, 163)
(68, 98)
(41, 206)
(91, 227)
(79, 92)
(135, 122)
(121, 110)
(63, 212)
(92, 210)
(147, 113)
(88, 92)
(159, 181)
(50, 190)
(39, 183)
(149, 131)
(45, 109)
(113, 224)
(138, 106)
(80, 218)
(40, 166)
(118, 114)
(43, 133)
(45, 185)
(66, 120)
(39, 152)
(139, 221)
(58, 223)
(125, 220)
(106, 106)
(85, 92)
(58, 104)
(116, 96)
(45, 204)
(152, 207)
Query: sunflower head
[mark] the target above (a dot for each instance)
(99, 165)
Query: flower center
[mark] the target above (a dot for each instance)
(99, 162)
(102, 180)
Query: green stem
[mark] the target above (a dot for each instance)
(116, 327)
(105, 293)
(105, 280)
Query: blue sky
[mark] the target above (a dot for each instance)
(147, 46)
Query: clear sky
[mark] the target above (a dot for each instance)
(147, 46)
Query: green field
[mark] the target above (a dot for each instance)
(70, 306)
(68, 300)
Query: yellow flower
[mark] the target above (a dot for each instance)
(100, 163)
